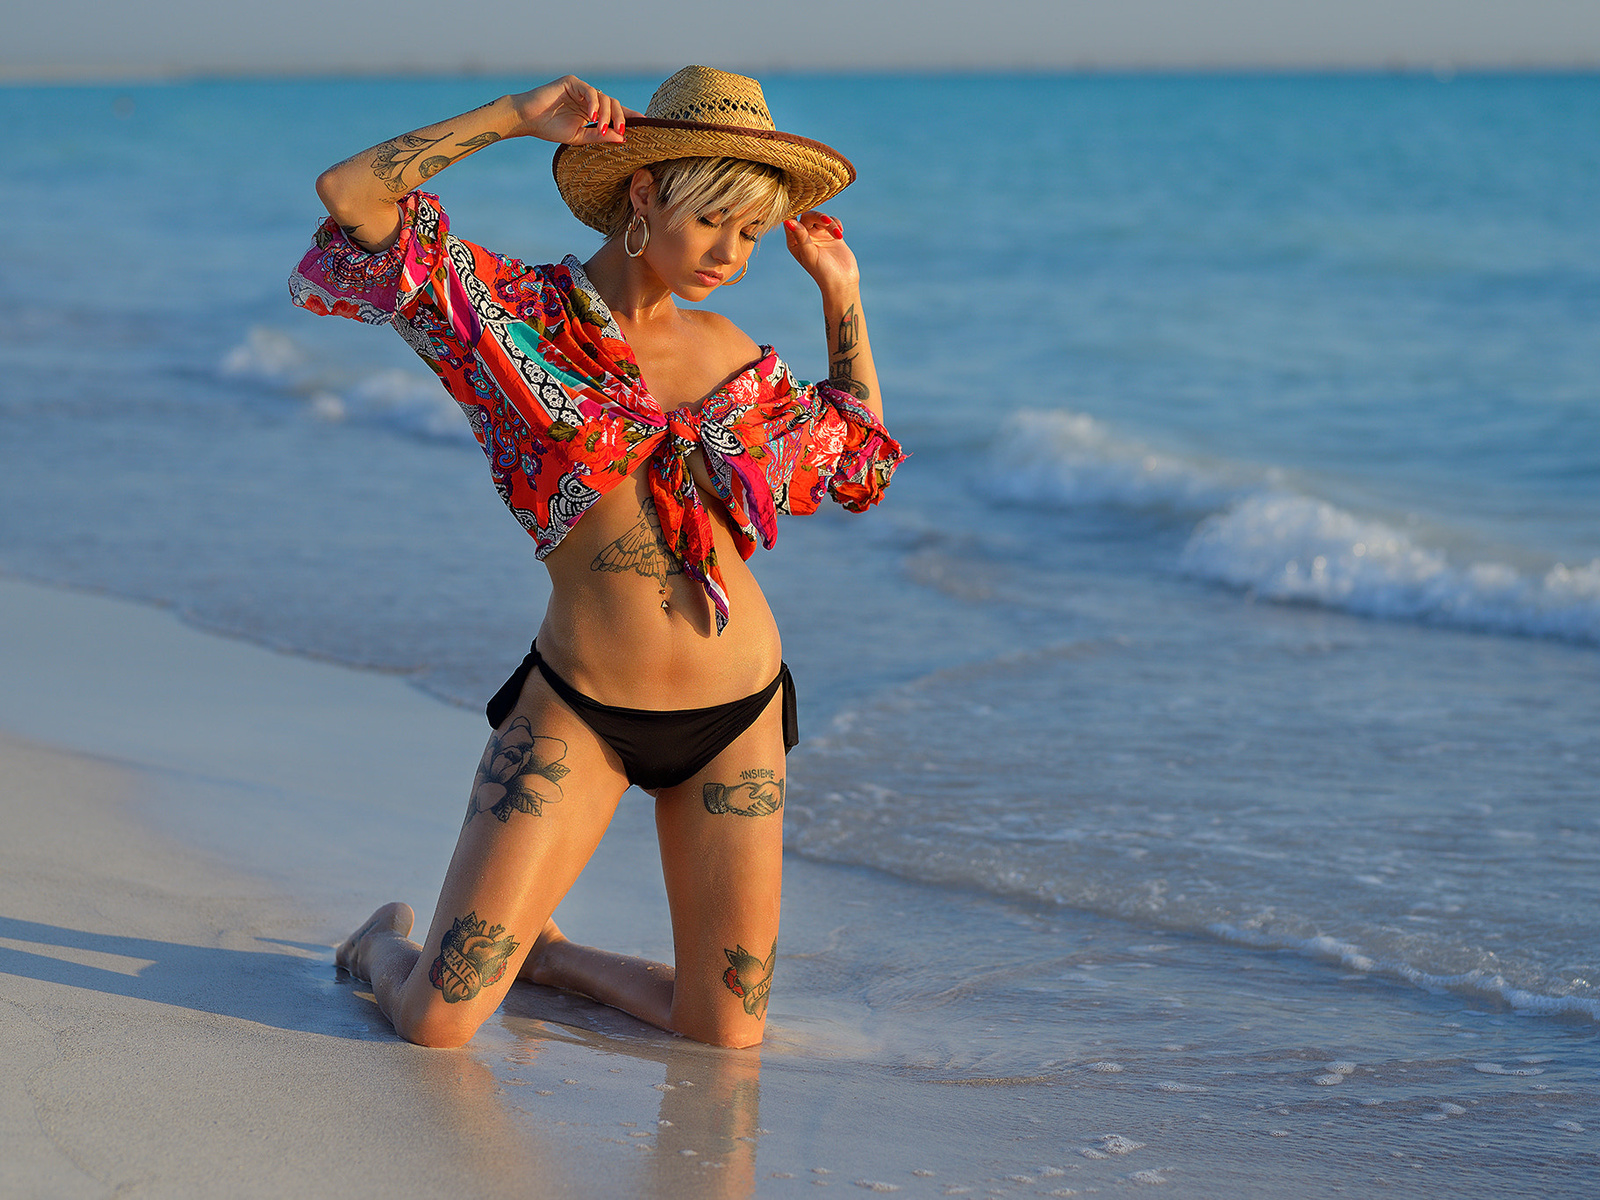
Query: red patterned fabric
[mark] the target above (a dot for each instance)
(553, 394)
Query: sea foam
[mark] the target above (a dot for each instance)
(1070, 460)
(407, 402)
(1295, 548)
(1256, 533)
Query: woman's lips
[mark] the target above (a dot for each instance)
(708, 278)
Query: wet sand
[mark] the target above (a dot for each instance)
(183, 814)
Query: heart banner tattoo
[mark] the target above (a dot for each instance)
(472, 957)
(749, 978)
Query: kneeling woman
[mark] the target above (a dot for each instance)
(647, 449)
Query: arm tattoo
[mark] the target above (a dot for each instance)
(520, 772)
(390, 160)
(840, 373)
(759, 795)
(750, 979)
(642, 550)
(849, 330)
(471, 956)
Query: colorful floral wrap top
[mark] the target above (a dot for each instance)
(553, 393)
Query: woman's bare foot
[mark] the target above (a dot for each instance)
(393, 917)
(537, 968)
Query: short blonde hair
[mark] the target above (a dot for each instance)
(688, 187)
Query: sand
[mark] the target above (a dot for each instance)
(191, 822)
(181, 812)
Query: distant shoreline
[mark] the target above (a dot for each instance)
(56, 75)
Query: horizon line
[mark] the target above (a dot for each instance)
(63, 74)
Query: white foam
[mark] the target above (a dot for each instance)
(410, 402)
(1490, 1068)
(1289, 547)
(1477, 982)
(265, 353)
(405, 402)
(1115, 1143)
(1066, 459)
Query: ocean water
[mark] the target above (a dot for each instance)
(1241, 603)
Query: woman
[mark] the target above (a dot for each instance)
(646, 449)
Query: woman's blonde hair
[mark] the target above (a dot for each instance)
(688, 187)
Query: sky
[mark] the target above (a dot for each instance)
(114, 37)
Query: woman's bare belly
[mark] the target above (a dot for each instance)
(607, 633)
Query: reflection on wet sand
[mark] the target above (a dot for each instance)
(704, 1138)
(473, 1135)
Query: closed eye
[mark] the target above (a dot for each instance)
(751, 233)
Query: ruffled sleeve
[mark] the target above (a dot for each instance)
(854, 455)
(338, 278)
(818, 442)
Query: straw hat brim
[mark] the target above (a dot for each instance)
(590, 177)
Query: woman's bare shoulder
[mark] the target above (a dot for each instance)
(725, 339)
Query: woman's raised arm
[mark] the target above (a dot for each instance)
(360, 193)
(817, 242)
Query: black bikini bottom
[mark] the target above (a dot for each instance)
(658, 747)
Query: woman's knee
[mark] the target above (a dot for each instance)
(735, 1031)
(435, 1024)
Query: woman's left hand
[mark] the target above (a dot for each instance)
(817, 242)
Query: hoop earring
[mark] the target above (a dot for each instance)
(638, 219)
(739, 276)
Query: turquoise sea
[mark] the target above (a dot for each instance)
(1237, 619)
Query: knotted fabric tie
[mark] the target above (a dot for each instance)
(685, 524)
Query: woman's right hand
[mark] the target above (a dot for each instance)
(570, 111)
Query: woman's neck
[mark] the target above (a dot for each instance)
(633, 292)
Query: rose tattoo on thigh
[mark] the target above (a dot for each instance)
(521, 772)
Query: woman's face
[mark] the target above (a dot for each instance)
(703, 253)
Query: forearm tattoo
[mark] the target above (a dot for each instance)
(472, 956)
(642, 550)
(841, 368)
(759, 794)
(390, 160)
(521, 771)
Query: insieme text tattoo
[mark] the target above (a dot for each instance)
(841, 371)
(521, 771)
(472, 956)
(750, 979)
(759, 795)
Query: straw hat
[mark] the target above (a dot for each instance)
(699, 113)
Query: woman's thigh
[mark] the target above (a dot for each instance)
(544, 793)
(721, 838)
